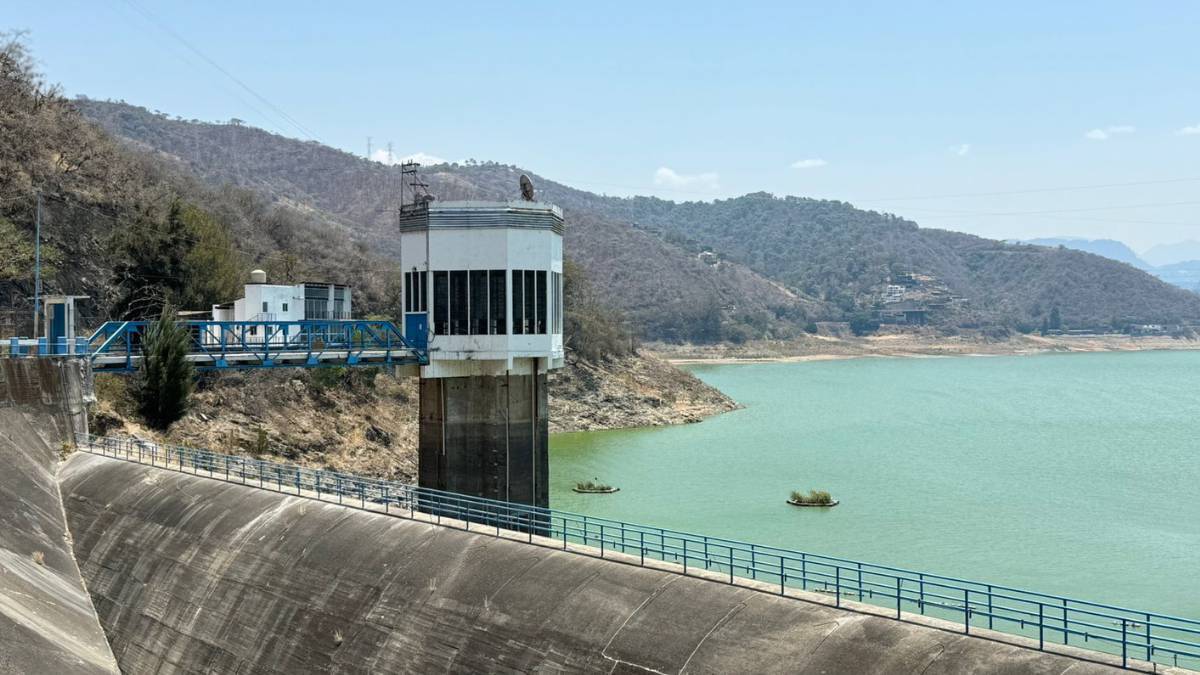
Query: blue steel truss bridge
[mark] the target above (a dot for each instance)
(117, 346)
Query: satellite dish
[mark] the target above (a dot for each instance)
(526, 188)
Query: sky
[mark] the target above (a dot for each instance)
(1008, 120)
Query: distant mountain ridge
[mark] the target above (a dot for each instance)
(1108, 248)
(752, 266)
(1185, 273)
(1171, 254)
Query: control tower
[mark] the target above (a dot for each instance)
(483, 292)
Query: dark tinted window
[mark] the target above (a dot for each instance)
(541, 302)
(530, 301)
(518, 302)
(498, 318)
(458, 302)
(479, 302)
(441, 306)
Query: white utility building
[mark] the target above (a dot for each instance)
(307, 301)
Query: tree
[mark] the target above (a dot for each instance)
(186, 259)
(1055, 322)
(17, 254)
(212, 268)
(166, 377)
(151, 274)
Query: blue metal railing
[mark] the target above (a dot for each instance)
(1042, 618)
(117, 345)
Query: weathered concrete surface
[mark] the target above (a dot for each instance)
(487, 437)
(197, 575)
(47, 622)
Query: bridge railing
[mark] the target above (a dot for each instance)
(264, 340)
(1043, 618)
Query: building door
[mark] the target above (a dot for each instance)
(416, 329)
(58, 328)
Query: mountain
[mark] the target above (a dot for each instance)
(833, 251)
(1108, 248)
(666, 291)
(1169, 254)
(1184, 274)
(752, 266)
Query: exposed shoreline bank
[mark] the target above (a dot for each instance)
(821, 348)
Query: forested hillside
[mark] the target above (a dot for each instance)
(754, 266)
(665, 290)
(133, 232)
(836, 252)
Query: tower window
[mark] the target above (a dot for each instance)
(530, 303)
(541, 302)
(458, 303)
(479, 302)
(498, 318)
(441, 303)
(518, 302)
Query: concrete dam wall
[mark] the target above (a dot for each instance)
(193, 575)
(47, 622)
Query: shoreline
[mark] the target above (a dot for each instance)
(910, 346)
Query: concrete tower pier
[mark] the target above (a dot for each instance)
(486, 436)
(483, 293)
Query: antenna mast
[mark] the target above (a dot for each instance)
(420, 189)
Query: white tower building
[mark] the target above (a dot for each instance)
(483, 293)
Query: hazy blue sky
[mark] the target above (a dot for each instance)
(874, 103)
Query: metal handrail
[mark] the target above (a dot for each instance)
(1047, 618)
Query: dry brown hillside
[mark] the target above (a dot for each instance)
(365, 421)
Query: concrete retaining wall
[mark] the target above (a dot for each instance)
(197, 575)
(47, 622)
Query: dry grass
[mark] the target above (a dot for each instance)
(39, 557)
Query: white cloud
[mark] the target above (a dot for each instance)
(961, 149)
(1105, 133)
(812, 163)
(669, 178)
(1193, 130)
(381, 156)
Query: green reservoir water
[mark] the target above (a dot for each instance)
(1071, 474)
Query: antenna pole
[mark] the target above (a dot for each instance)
(368, 147)
(37, 266)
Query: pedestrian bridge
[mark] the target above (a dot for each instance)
(117, 346)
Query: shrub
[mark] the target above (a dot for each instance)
(166, 378)
(813, 497)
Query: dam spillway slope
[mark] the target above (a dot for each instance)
(47, 622)
(191, 574)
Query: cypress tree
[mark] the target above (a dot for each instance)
(166, 377)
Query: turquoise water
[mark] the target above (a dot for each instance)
(1072, 474)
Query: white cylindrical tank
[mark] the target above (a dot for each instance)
(258, 277)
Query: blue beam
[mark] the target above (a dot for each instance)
(264, 344)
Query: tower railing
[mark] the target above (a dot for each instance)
(1133, 638)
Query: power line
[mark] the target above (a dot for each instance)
(216, 66)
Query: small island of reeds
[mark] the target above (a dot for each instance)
(813, 498)
(592, 487)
